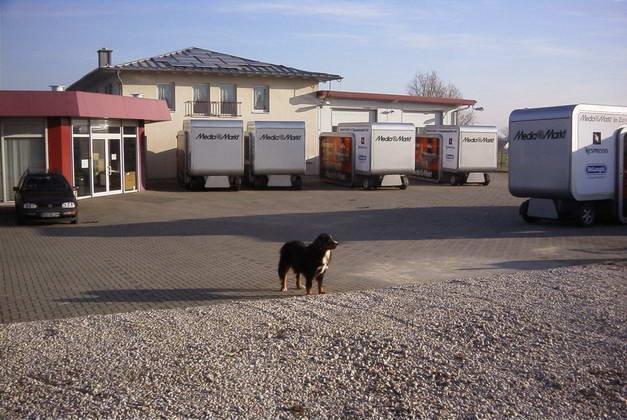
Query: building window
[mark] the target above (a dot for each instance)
(166, 92)
(261, 99)
(22, 147)
(201, 99)
(228, 100)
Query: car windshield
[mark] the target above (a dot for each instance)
(45, 183)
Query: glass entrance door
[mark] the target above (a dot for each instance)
(115, 172)
(106, 165)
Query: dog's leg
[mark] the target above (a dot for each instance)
(283, 269)
(320, 278)
(299, 285)
(308, 283)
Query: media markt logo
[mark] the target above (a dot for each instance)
(394, 138)
(281, 137)
(549, 134)
(478, 140)
(225, 136)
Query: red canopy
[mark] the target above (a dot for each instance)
(24, 103)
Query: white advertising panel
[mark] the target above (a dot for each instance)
(278, 148)
(477, 150)
(594, 154)
(393, 151)
(216, 149)
(539, 158)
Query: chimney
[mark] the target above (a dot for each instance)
(57, 88)
(104, 57)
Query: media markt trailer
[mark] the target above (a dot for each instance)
(210, 154)
(276, 153)
(570, 161)
(381, 154)
(466, 153)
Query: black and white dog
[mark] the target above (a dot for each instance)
(312, 261)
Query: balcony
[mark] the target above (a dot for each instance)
(212, 109)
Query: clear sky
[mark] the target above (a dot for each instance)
(504, 54)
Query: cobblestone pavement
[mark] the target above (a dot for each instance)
(169, 248)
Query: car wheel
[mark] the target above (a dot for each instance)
(365, 184)
(486, 180)
(585, 215)
(74, 220)
(453, 180)
(524, 212)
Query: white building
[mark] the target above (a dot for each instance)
(337, 107)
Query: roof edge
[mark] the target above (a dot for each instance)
(386, 97)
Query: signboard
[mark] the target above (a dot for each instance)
(336, 158)
(428, 154)
(216, 150)
(278, 150)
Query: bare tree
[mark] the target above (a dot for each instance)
(430, 84)
(466, 117)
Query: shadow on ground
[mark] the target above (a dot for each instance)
(413, 224)
(173, 295)
(524, 265)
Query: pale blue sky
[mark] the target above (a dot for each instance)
(504, 54)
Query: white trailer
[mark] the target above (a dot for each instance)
(210, 154)
(383, 153)
(467, 152)
(570, 161)
(276, 153)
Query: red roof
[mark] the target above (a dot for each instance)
(384, 97)
(25, 103)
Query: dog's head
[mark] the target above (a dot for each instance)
(325, 242)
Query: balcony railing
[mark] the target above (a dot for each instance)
(212, 109)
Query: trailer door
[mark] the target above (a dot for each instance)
(621, 154)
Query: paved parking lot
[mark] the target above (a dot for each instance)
(169, 248)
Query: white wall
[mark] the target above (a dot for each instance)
(415, 113)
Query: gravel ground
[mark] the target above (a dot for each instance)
(532, 344)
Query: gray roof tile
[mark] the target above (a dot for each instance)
(198, 59)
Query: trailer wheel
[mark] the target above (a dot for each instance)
(236, 183)
(486, 180)
(297, 182)
(197, 183)
(260, 181)
(524, 212)
(585, 215)
(365, 184)
(404, 182)
(453, 180)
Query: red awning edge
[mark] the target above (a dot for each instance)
(76, 104)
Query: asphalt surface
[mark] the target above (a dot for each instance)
(168, 248)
